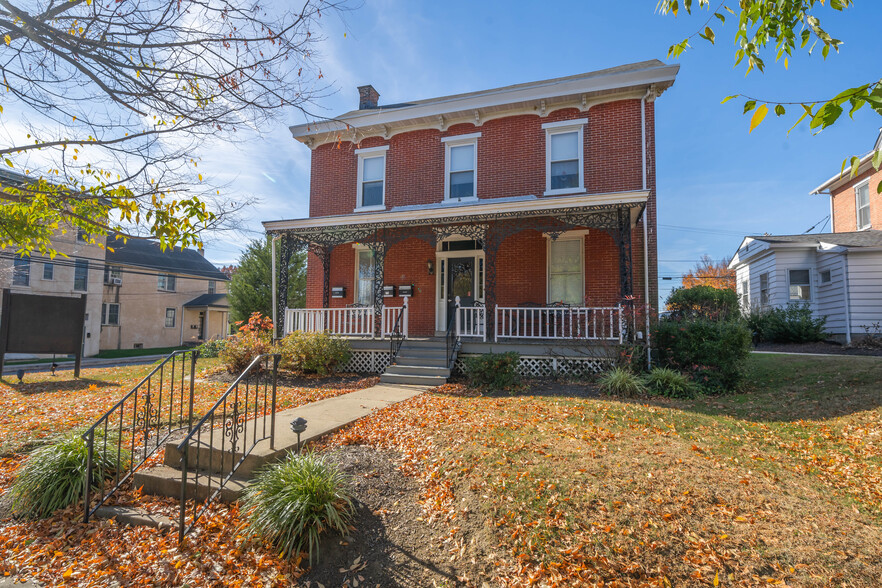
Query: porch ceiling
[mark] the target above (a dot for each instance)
(589, 210)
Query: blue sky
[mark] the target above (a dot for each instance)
(716, 181)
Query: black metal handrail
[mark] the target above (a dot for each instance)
(143, 420)
(452, 338)
(236, 412)
(396, 336)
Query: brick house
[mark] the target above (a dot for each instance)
(504, 217)
(839, 274)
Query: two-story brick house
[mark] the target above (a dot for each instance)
(507, 215)
(839, 274)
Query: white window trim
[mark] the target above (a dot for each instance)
(458, 141)
(821, 282)
(43, 273)
(857, 211)
(167, 276)
(358, 249)
(569, 235)
(165, 318)
(441, 303)
(105, 313)
(565, 126)
(363, 154)
(811, 297)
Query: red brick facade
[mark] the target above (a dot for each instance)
(510, 162)
(844, 203)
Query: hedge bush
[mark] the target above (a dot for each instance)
(319, 353)
(667, 382)
(793, 323)
(54, 476)
(713, 353)
(290, 504)
(703, 302)
(240, 351)
(494, 371)
(212, 348)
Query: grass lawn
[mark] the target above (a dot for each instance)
(117, 353)
(779, 485)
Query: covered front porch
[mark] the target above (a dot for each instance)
(515, 270)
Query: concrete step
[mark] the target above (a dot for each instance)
(413, 380)
(221, 459)
(427, 343)
(440, 361)
(166, 481)
(419, 352)
(418, 370)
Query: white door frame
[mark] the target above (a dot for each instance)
(441, 304)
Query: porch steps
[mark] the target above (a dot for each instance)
(420, 362)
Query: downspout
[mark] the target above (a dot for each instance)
(847, 297)
(645, 229)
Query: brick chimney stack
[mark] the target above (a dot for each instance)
(367, 97)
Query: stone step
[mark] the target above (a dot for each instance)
(418, 370)
(413, 380)
(166, 481)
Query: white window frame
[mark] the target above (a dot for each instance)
(51, 266)
(21, 268)
(165, 288)
(105, 313)
(78, 265)
(174, 317)
(811, 285)
(363, 154)
(358, 249)
(212, 286)
(745, 294)
(567, 236)
(857, 207)
(555, 128)
(460, 141)
(821, 279)
(767, 291)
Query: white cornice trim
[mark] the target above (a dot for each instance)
(487, 206)
(844, 177)
(565, 123)
(466, 138)
(367, 150)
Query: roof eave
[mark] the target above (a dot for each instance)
(843, 177)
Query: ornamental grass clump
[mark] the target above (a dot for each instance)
(290, 504)
(54, 476)
(621, 382)
(670, 383)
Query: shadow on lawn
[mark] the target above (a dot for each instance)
(41, 387)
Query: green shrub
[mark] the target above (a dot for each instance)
(319, 353)
(212, 348)
(240, 351)
(667, 382)
(793, 323)
(703, 302)
(493, 371)
(621, 382)
(713, 353)
(54, 476)
(290, 504)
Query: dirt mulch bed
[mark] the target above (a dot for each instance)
(288, 379)
(819, 347)
(393, 544)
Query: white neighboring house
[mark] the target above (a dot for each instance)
(839, 275)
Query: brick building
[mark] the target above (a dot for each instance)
(519, 213)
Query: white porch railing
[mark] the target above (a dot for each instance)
(599, 323)
(346, 322)
(471, 321)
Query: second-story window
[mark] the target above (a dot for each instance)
(166, 282)
(862, 205)
(461, 165)
(21, 271)
(371, 177)
(112, 275)
(564, 161)
(212, 287)
(81, 275)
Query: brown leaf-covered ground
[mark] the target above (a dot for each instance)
(779, 485)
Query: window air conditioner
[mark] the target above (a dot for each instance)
(116, 281)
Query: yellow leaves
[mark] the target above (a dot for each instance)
(8, 39)
(758, 116)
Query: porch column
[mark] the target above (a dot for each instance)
(286, 250)
(626, 269)
(378, 247)
(323, 252)
(492, 241)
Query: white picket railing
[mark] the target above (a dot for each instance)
(471, 321)
(346, 322)
(599, 323)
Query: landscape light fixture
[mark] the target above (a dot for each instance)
(54, 367)
(298, 426)
(430, 265)
(20, 374)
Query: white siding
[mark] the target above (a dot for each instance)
(792, 259)
(865, 289)
(830, 297)
(761, 265)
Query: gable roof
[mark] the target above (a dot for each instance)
(147, 254)
(853, 239)
(553, 93)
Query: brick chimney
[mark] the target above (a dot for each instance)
(367, 97)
